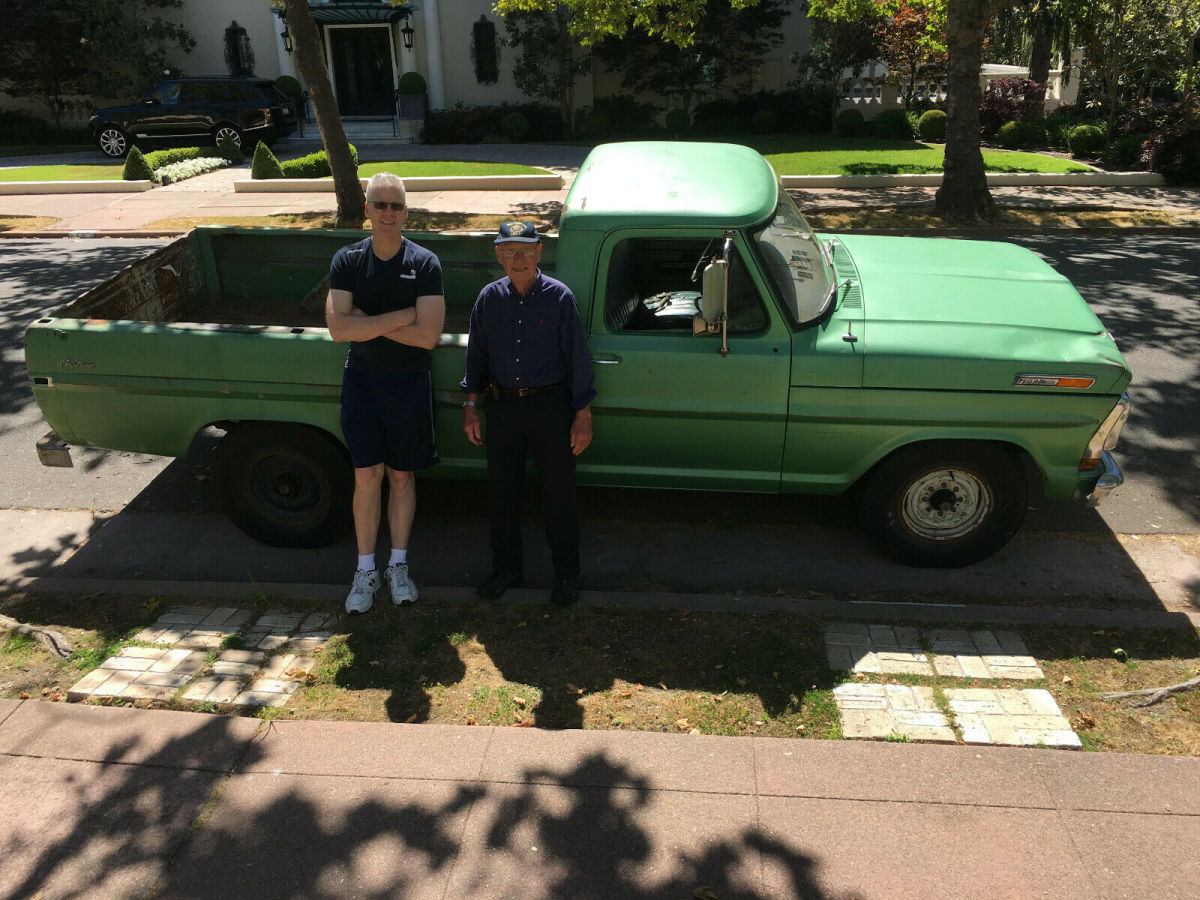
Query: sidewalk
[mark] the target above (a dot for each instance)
(120, 802)
(213, 195)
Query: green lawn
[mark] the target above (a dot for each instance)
(442, 167)
(828, 155)
(99, 172)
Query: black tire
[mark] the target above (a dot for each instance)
(112, 141)
(945, 504)
(286, 485)
(227, 130)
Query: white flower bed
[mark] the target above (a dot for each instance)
(189, 168)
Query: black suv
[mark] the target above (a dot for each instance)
(190, 111)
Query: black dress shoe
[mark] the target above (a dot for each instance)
(566, 592)
(496, 585)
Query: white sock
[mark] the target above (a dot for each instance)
(398, 556)
(366, 562)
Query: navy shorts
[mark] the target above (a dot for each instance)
(387, 417)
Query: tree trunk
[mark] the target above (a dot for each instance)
(1042, 41)
(310, 63)
(964, 194)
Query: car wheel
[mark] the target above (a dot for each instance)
(286, 485)
(227, 132)
(944, 505)
(112, 141)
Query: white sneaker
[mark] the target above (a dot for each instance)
(362, 591)
(403, 591)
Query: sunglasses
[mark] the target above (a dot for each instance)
(381, 205)
(518, 252)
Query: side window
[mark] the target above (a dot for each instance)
(650, 287)
(167, 94)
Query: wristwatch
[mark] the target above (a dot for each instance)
(470, 403)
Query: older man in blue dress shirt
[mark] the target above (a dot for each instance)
(527, 353)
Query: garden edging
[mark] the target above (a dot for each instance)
(74, 187)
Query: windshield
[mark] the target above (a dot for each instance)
(794, 262)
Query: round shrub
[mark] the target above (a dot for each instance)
(1125, 153)
(1011, 135)
(1085, 140)
(265, 164)
(514, 126)
(597, 124)
(1176, 155)
(932, 125)
(677, 120)
(136, 167)
(849, 123)
(411, 83)
(893, 124)
(289, 86)
(765, 121)
(230, 152)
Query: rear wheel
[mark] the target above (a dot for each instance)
(286, 485)
(227, 132)
(946, 504)
(112, 141)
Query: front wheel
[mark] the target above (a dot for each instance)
(227, 132)
(944, 505)
(112, 141)
(286, 485)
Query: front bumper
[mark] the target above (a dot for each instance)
(1111, 478)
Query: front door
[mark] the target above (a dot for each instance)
(670, 410)
(363, 76)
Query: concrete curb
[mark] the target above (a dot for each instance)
(416, 184)
(994, 179)
(815, 606)
(74, 187)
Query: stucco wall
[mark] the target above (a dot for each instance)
(207, 21)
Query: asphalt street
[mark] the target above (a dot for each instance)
(1145, 290)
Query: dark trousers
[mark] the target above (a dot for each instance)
(539, 425)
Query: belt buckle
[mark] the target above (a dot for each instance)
(524, 392)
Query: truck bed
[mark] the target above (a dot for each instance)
(226, 276)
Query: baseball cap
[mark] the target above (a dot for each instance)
(521, 232)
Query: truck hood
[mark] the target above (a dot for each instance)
(975, 314)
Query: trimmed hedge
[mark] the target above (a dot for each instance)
(1020, 135)
(160, 158)
(265, 164)
(892, 124)
(515, 126)
(1125, 153)
(1085, 140)
(849, 123)
(473, 124)
(230, 152)
(932, 125)
(677, 120)
(136, 168)
(765, 121)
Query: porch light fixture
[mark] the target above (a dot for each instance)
(287, 40)
(407, 33)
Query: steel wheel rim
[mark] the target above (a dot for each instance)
(231, 134)
(945, 504)
(112, 142)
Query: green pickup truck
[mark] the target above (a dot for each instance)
(935, 383)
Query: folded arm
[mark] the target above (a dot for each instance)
(348, 323)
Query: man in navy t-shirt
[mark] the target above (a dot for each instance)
(386, 299)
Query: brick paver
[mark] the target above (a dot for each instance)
(957, 653)
(1020, 718)
(880, 711)
(279, 656)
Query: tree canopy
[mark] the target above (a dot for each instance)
(70, 52)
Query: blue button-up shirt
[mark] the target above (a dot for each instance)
(529, 341)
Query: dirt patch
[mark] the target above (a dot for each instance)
(25, 223)
(921, 217)
(647, 670)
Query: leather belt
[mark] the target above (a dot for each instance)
(499, 391)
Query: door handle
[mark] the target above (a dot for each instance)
(607, 359)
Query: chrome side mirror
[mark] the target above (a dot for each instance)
(713, 297)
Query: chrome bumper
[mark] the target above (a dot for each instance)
(1110, 479)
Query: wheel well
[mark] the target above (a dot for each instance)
(1034, 478)
(231, 426)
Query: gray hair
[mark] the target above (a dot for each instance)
(386, 180)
